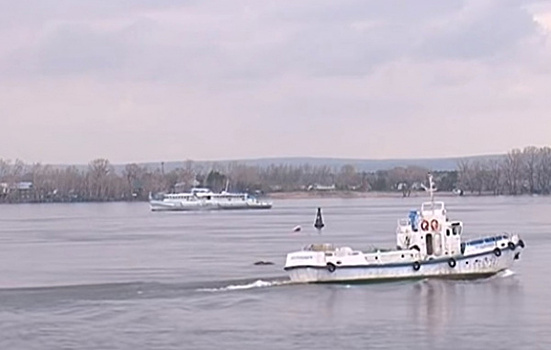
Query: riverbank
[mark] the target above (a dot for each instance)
(348, 194)
(297, 195)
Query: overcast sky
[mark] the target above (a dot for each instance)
(151, 80)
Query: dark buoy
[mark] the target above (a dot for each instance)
(319, 220)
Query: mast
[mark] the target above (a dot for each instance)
(431, 192)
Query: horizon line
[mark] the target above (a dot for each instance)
(275, 158)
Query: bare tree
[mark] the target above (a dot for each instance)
(544, 170)
(465, 175)
(495, 179)
(5, 168)
(512, 170)
(348, 178)
(404, 178)
(530, 157)
(98, 174)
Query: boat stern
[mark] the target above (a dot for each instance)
(304, 259)
(305, 266)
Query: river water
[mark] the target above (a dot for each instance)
(117, 276)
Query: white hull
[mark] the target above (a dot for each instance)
(466, 266)
(198, 206)
(205, 199)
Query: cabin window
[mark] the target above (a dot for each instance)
(447, 232)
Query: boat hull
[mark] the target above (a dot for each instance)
(472, 266)
(182, 206)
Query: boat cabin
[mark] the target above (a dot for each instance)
(430, 232)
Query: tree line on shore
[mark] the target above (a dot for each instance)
(526, 171)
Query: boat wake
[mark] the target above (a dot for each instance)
(251, 285)
(505, 273)
(41, 296)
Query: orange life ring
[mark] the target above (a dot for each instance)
(434, 225)
(425, 225)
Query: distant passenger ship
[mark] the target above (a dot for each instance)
(205, 199)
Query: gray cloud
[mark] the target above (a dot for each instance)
(256, 40)
(482, 29)
(269, 78)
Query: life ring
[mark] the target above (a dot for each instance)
(425, 225)
(511, 245)
(497, 252)
(452, 263)
(331, 267)
(416, 266)
(434, 225)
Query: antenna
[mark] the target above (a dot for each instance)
(431, 191)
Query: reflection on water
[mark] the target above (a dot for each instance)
(432, 303)
(441, 306)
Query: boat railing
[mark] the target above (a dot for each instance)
(320, 247)
(159, 196)
(485, 240)
(436, 208)
(404, 222)
(342, 251)
(404, 225)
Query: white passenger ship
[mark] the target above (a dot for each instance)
(205, 199)
(429, 244)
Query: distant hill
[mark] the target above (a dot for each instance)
(369, 165)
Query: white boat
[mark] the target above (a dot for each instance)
(429, 244)
(205, 199)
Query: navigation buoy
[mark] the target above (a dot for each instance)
(319, 220)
